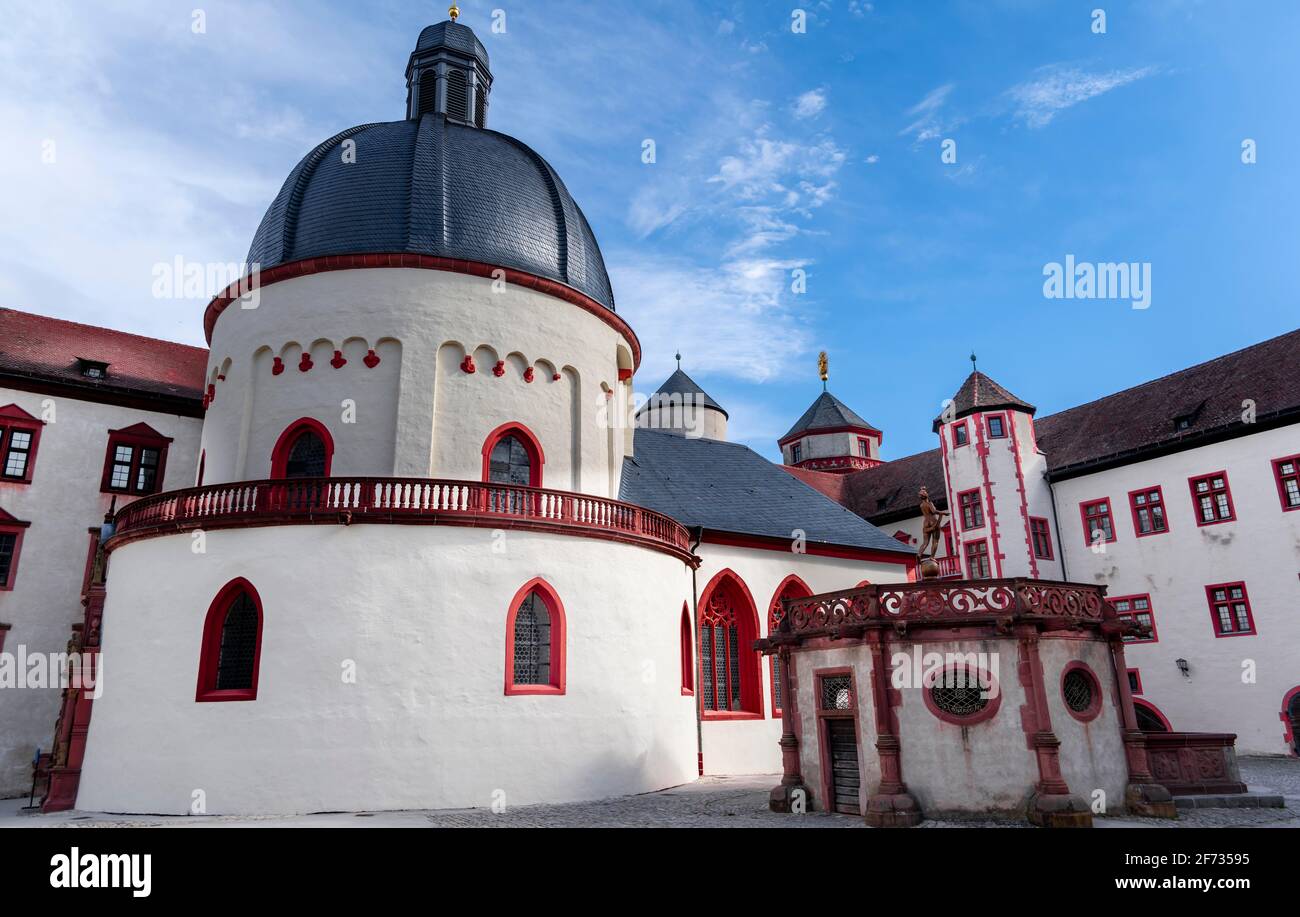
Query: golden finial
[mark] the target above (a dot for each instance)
(454, 12)
(822, 368)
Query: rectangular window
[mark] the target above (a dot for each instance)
(17, 452)
(19, 434)
(1098, 526)
(972, 511)
(796, 454)
(864, 449)
(8, 546)
(960, 437)
(1134, 681)
(1137, 608)
(997, 426)
(1212, 499)
(977, 560)
(1230, 610)
(135, 461)
(1148, 511)
(1287, 471)
(1041, 537)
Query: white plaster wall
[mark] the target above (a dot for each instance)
(62, 503)
(750, 746)
(421, 610)
(415, 416)
(1092, 753)
(1261, 548)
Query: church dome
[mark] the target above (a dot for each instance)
(437, 183)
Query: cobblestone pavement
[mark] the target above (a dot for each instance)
(712, 802)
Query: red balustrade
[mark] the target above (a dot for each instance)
(397, 500)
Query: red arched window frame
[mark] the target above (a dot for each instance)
(1154, 711)
(792, 587)
(726, 603)
(532, 445)
(688, 656)
(210, 652)
(284, 445)
(551, 599)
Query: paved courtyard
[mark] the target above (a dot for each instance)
(712, 802)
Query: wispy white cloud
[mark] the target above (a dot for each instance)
(929, 121)
(810, 104)
(1056, 88)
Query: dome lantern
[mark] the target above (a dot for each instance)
(448, 74)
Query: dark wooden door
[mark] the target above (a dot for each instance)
(842, 734)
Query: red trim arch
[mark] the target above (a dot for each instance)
(536, 457)
(291, 269)
(210, 649)
(1154, 711)
(792, 587)
(559, 632)
(1287, 732)
(750, 663)
(688, 654)
(283, 445)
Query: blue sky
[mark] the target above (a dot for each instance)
(775, 152)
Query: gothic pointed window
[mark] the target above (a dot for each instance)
(232, 645)
(510, 462)
(304, 450)
(535, 641)
(791, 588)
(729, 664)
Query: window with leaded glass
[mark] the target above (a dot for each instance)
(232, 639)
(1098, 525)
(238, 652)
(728, 662)
(307, 456)
(1212, 499)
(1230, 609)
(836, 692)
(532, 649)
(1137, 608)
(959, 694)
(510, 462)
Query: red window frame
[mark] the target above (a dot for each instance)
(284, 446)
(1002, 425)
(796, 453)
(960, 435)
(136, 438)
(17, 528)
(982, 555)
(792, 587)
(1288, 482)
(1126, 606)
(1039, 527)
(528, 439)
(210, 653)
(727, 600)
(975, 504)
(864, 447)
(1194, 483)
(688, 654)
(551, 599)
(14, 419)
(1229, 603)
(1146, 495)
(1134, 681)
(4, 631)
(1108, 514)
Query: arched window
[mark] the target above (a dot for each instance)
(232, 645)
(304, 450)
(792, 587)
(729, 666)
(688, 657)
(535, 641)
(1149, 717)
(513, 455)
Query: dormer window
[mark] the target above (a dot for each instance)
(1182, 423)
(93, 369)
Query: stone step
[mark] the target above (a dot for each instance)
(1246, 800)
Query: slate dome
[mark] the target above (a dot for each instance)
(437, 183)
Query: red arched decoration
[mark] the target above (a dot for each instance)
(726, 602)
(688, 655)
(792, 587)
(551, 599)
(283, 445)
(210, 650)
(532, 445)
(1154, 711)
(1288, 733)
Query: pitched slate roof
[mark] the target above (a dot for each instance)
(433, 187)
(827, 412)
(980, 393)
(49, 349)
(1128, 426)
(455, 36)
(681, 384)
(731, 488)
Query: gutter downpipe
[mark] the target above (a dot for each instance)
(697, 533)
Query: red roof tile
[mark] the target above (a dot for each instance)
(49, 349)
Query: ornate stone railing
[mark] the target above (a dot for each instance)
(298, 501)
(949, 566)
(949, 602)
(1188, 763)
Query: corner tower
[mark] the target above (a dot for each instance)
(831, 436)
(681, 406)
